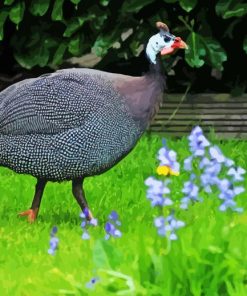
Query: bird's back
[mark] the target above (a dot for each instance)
(64, 125)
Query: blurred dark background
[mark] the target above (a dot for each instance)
(40, 36)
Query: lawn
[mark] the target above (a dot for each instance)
(208, 258)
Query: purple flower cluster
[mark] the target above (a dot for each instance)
(157, 191)
(53, 241)
(85, 223)
(111, 226)
(168, 158)
(211, 163)
(167, 226)
(190, 190)
(158, 194)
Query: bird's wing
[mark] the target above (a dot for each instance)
(52, 103)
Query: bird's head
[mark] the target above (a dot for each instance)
(163, 42)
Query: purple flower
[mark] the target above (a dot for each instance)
(111, 226)
(188, 163)
(229, 162)
(216, 154)
(227, 194)
(197, 142)
(213, 168)
(53, 241)
(191, 192)
(85, 223)
(168, 158)
(204, 162)
(156, 191)
(236, 173)
(114, 217)
(92, 282)
(85, 235)
(168, 226)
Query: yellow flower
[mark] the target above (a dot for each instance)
(166, 170)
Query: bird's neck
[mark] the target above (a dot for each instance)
(156, 68)
(143, 94)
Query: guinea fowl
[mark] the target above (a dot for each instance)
(76, 123)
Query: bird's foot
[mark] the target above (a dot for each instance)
(90, 216)
(31, 214)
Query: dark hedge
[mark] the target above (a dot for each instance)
(39, 35)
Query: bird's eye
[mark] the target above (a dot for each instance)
(167, 38)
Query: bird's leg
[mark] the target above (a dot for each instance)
(78, 192)
(32, 213)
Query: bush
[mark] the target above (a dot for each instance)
(39, 33)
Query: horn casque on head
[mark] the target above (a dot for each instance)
(162, 26)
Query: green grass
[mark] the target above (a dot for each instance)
(209, 258)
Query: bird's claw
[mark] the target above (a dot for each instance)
(31, 214)
(89, 216)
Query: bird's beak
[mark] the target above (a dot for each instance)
(178, 43)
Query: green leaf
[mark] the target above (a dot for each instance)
(245, 44)
(105, 255)
(8, 2)
(75, 23)
(104, 2)
(76, 45)
(30, 53)
(57, 11)
(75, 1)
(135, 5)
(188, 5)
(16, 12)
(99, 15)
(194, 56)
(228, 9)
(3, 16)
(39, 7)
(58, 56)
(216, 55)
(104, 42)
(204, 49)
(238, 11)
(100, 258)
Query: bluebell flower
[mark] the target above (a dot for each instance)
(53, 241)
(114, 217)
(216, 154)
(229, 162)
(85, 235)
(236, 173)
(207, 180)
(197, 142)
(168, 226)
(204, 162)
(111, 226)
(168, 158)
(213, 168)
(92, 282)
(227, 194)
(85, 223)
(191, 192)
(156, 191)
(188, 163)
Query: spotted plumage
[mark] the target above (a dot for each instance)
(64, 125)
